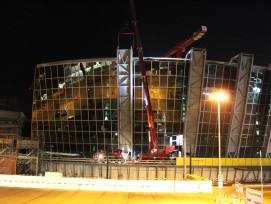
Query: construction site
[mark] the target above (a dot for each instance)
(172, 117)
(18, 151)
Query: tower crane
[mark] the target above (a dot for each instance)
(179, 49)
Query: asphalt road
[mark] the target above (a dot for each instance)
(10, 195)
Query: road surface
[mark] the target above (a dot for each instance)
(11, 195)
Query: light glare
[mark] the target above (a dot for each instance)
(220, 96)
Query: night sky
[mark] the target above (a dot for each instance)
(39, 31)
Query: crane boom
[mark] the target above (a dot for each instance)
(153, 140)
(179, 49)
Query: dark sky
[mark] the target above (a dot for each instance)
(38, 31)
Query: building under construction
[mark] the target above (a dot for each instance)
(87, 105)
(139, 106)
(18, 152)
(82, 106)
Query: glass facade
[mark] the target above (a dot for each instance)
(76, 109)
(255, 119)
(256, 129)
(216, 77)
(167, 87)
(74, 106)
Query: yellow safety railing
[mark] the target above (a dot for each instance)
(197, 161)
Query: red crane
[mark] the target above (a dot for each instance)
(153, 147)
(179, 49)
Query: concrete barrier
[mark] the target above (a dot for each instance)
(53, 182)
(53, 174)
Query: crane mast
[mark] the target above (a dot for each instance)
(153, 140)
(179, 49)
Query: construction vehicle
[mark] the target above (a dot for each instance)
(99, 156)
(153, 152)
(179, 49)
(119, 153)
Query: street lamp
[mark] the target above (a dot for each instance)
(219, 96)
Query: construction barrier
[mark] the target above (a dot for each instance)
(55, 182)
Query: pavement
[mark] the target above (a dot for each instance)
(12, 195)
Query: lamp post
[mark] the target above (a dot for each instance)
(219, 96)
